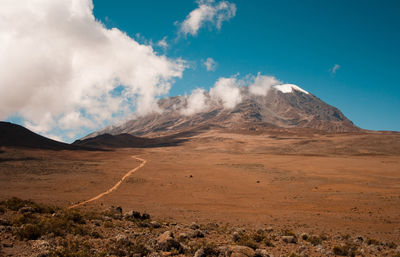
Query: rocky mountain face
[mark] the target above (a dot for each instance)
(288, 108)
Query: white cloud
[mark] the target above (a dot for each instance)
(60, 67)
(210, 64)
(227, 92)
(196, 102)
(334, 69)
(208, 11)
(262, 84)
(163, 43)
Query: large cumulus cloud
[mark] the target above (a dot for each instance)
(60, 67)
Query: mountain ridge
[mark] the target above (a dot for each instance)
(285, 107)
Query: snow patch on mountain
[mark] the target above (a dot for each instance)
(288, 88)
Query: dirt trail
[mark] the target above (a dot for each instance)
(114, 187)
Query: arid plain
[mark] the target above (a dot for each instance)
(345, 183)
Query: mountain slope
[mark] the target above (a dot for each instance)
(16, 135)
(284, 107)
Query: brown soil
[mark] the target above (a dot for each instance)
(336, 184)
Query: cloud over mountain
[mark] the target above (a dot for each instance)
(60, 66)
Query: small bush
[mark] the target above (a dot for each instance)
(210, 249)
(29, 232)
(15, 204)
(372, 241)
(258, 236)
(246, 240)
(391, 245)
(314, 240)
(268, 243)
(345, 250)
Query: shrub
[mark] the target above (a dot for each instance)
(15, 204)
(246, 240)
(287, 232)
(372, 241)
(314, 240)
(29, 232)
(391, 245)
(345, 250)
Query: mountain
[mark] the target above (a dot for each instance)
(16, 135)
(284, 106)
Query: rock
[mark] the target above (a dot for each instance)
(121, 239)
(4, 222)
(155, 224)
(289, 239)
(9, 245)
(240, 251)
(27, 209)
(132, 215)
(154, 254)
(235, 236)
(183, 236)
(222, 250)
(200, 253)
(261, 253)
(43, 254)
(269, 229)
(304, 236)
(40, 245)
(167, 242)
(194, 226)
(196, 234)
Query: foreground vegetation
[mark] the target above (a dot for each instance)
(31, 229)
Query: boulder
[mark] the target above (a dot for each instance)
(167, 242)
(240, 251)
(261, 253)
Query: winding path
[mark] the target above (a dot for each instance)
(115, 187)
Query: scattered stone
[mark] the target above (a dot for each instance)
(235, 236)
(196, 234)
(121, 239)
(167, 242)
(289, 239)
(269, 229)
(261, 253)
(4, 222)
(304, 236)
(155, 224)
(8, 245)
(40, 245)
(154, 254)
(27, 209)
(240, 251)
(200, 253)
(183, 236)
(194, 225)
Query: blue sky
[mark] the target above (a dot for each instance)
(298, 42)
(83, 69)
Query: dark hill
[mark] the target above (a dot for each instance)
(127, 141)
(17, 136)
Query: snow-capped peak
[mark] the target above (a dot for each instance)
(288, 88)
